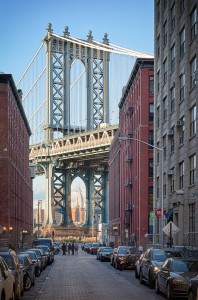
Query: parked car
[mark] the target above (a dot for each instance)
(173, 279)
(128, 261)
(120, 253)
(138, 266)
(193, 289)
(40, 257)
(35, 260)
(14, 265)
(152, 261)
(7, 281)
(94, 248)
(28, 271)
(112, 256)
(104, 253)
(48, 253)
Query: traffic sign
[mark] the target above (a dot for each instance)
(170, 229)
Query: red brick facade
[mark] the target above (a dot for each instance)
(16, 195)
(131, 184)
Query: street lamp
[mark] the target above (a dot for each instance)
(123, 138)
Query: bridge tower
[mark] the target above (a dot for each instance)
(60, 54)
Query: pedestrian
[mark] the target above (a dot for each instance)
(69, 248)
(76, 248)
(72, 248)
(64, 248)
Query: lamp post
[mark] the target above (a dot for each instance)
(123, 138)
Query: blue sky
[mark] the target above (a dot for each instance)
(23, 23)
(128, 23)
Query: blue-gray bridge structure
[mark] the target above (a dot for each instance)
(63, 151)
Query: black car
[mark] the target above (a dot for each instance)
(173, 279)
(28, 270)
(193, 289)
(35, 260)
(152, 262)
(15, 266)
(40, 257)
(49, 253)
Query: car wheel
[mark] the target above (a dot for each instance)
(33, 280)
(3, 296)
(151, 282)
(157, 290)
(190, 296)
(169, 292)
(141, 277)
(27, 283)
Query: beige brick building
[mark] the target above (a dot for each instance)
(176, 100)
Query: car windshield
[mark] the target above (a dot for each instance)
(107, 249)
(32, 255)
(159, 255)
(45, 248)
(185, 266)
(124, 250)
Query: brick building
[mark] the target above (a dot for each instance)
(131, 161)
(16, 195)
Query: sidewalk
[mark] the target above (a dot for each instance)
(82, 277)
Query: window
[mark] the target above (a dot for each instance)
(151, 112)
(193, 69)
(150, 167)
(173, 17)
(151, 138)
(172, 184)
(165, 29)
(172, 140)
(181, 175)
(193, 121)
(173, 58)
(192, 169)
(182, 42)
(165, 70)
(157, 187)
(193, 21)
(182, 87)
(165, 4)
(158, 46)
(164, 185)
(150, 198)
(158, 156)
(158, 81)
(181, 132)
(164, 145)
(182, 6)
(173, 99)
(165, 109)
(158, 117)
(151, 84)
(158, 11)
(192, 217)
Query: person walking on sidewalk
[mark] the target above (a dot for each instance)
(72, 248)
(69, 248)
(76, 248)
(64, 248)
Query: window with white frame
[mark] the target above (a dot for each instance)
(172, 181)
(173, 17)
(181, 175)
(193, 21)
(192, 168)
(193, 117)
(182, 86)
(182, 41)
(193, 72)
(151, 84)
(172, 140)
(165, 64)
(151, 112)
(173, 98)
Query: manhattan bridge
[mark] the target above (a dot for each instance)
(71, 90)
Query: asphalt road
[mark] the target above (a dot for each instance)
(83, 277)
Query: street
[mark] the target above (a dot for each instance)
(83, 277)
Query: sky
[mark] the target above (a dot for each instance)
(23, 23)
